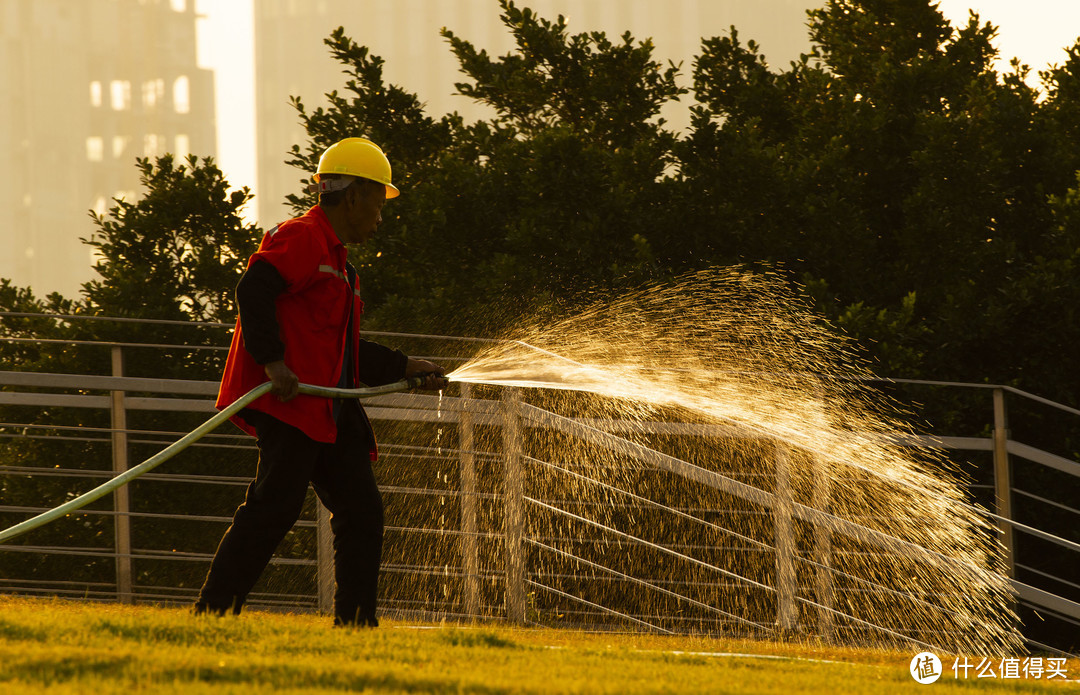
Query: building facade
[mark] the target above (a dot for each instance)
(89, 86)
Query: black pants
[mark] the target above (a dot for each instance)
(343, 479)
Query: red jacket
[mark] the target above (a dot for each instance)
(313, 314)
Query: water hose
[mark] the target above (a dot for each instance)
(189, 439)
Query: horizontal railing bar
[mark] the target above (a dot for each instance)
(1046, 648)
(125, 430)
(659, 581)
(56, 438)
(605, 609)
(638, 498)
(1055, 616)
(1009, 389)
(488, 613)
(1052, 503)
(117, 319)
(723, 483)
(217, 324)
(696, 620)
(652, 545)
(133, 442)
(108, 383)
(492, 576)
(873, 587)
(15, 583)
(1047, 575)
(99, 473)
(641, 582)
(102, 595)
(1031, 530)
(109, 554)
(1043, 457)
(111, 344)
(871, 626)
(142, 515)
(60, 400)
(1058, 604)
(672, 546)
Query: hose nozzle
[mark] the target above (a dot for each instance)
(432, 381)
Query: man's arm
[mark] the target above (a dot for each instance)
(256, 296)
(434, 375)
(381, 365)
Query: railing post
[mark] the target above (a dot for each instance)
(121, 498)
(787, 613)
(513, 507)
(1003, 480)
(324, 559)
(824, 592)
(470, 556)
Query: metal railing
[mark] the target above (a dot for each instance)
(468, 542)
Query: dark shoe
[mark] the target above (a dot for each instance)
(359, 621)
(202, 608)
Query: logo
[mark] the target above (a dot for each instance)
(925, 668)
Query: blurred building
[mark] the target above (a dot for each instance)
(89, 86)
(291, 59)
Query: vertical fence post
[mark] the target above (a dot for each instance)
(824, 592)
(324, 559)
(121, 498)
(787, 613)
(513, 507)
(1003, 480)
(470, 556)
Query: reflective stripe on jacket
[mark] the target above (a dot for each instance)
(313, 314)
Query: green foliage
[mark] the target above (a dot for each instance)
(892, 162)
(386, 114)
(180, 249)
(554, 196)
(605, 92)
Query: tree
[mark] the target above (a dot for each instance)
(546, 200)
(174, 254)
(893, 171)
(908, 187)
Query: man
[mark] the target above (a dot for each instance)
(299, 323)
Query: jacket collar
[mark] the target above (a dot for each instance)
(317, 215)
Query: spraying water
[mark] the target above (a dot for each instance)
(795, 476)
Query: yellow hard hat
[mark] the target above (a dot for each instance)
(357, 157)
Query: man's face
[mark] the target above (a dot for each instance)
(364, 201)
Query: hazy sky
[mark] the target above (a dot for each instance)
(226, 44)
(1036, 31)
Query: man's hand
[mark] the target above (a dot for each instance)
(433, 379)
(286, 384)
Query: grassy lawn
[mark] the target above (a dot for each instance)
(84, 648)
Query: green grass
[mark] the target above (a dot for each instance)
(67, 647)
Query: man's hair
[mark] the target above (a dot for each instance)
(332, 198)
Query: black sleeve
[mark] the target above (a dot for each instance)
(379, 364)
(255, 296)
